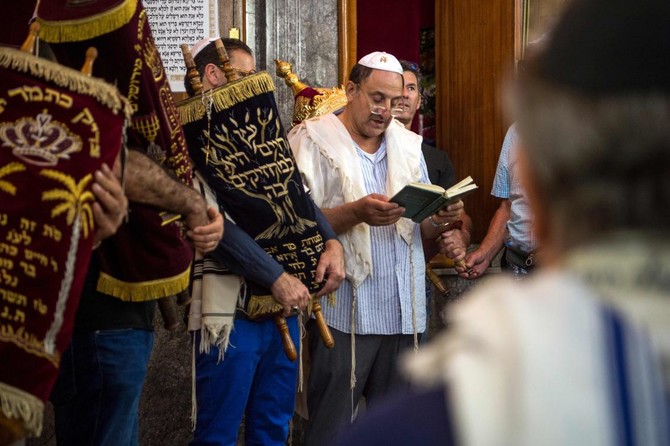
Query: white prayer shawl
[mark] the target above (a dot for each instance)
(530, 363)
(215, 294)
(328, 161)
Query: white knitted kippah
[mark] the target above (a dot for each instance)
(379, 60)
(198, 46)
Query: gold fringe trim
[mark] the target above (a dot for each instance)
(76, 30)
(226, 96)
(27, 409)
(143, 291)
(261, 307)
(64, 77)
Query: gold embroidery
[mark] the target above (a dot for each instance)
(9, 169)
(40, 141)
(229, 144)
(148, 126)
(76, 199)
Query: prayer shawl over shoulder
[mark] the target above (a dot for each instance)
(564, 357)
(323, 145)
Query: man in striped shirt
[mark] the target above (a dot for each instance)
(352, 163)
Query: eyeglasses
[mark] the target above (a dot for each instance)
(395, 109)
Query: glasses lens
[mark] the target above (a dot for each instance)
(397, 111)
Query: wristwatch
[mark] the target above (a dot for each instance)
(437, 225)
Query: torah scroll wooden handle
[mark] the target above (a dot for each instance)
(29, 44)
(324, 331)
(228, 69)
(437, 281)
(91, 55)
(191, 70)
(289, 347)
(168, 310)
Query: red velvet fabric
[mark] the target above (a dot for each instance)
(396, 31)
(47, 157)
(18, 14)
(143, 250)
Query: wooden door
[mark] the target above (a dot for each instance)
(475, 49)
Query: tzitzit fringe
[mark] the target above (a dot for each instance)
(226, 96)
(194, 399)
(143, 291)
(301, 370)
(64, 77)
(411, 275)
(16, 404)
(76, 30)
(352, 377)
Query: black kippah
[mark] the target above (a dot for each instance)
(603, 47)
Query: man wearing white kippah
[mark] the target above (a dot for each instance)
(353, 163)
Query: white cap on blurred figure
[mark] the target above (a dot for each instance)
(379, 60)
(198, 46)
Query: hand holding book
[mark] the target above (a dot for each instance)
(422, 200)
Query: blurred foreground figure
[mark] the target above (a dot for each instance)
(574, 354)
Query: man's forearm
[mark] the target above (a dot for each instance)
(341, 218)
(495, 235)
(148, 183)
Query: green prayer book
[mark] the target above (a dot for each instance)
(422, 200)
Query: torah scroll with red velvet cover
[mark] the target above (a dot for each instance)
(57, 127)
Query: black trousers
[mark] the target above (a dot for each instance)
(330, 400)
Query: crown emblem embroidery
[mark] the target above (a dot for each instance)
(39, 141)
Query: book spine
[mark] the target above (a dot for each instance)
(430, 209)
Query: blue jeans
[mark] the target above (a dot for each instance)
(97, 395)
(254, 378)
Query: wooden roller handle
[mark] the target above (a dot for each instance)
(91, 55)
(191, 70)
(324, 331)
(228, 69)
(289, 347)
(437, 282)
(29, 44)
(183, 298)
(168, 309)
